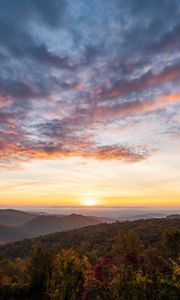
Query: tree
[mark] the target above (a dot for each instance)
(171, 242)
(128, 248)
(100, 282)
(68, 276)
(40, 269)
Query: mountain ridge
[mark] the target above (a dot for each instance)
(94, 237)
(17, 225)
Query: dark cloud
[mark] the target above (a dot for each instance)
(42, 54)
(147, 81)
(51, 12)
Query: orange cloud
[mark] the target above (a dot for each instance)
(135, 107)
(146, 81)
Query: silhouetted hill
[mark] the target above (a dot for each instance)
(98, 238)
(141, 216)
(17, 225)
(49, 224)
(177, 216)
(12, 233)
(14, 217)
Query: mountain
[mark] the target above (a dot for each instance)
(141, 216)
(15, 217)
(177, 216)
(96, 239)
(17, 225)
(12, 233)
(49, 224)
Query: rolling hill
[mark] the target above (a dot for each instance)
(49, 224)
(15, 217)
(17, 225)
(97, 238)
(12, 233)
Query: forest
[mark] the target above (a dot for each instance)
(137, 260)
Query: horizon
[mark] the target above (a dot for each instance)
(113, 212)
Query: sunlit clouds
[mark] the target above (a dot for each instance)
(89, 102)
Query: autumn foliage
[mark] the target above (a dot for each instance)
(129, 271)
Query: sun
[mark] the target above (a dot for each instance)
(89, 202)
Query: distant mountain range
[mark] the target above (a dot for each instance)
(15, 217)
(49, 224)
(17, 225)
(95, 239)
(141, 216)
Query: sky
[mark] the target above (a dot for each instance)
(90, 102)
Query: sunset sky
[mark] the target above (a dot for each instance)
(90, 102)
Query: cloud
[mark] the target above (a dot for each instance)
(146, 81)
(136, 107)
(70, 68)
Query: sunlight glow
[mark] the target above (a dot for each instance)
(89, 202)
